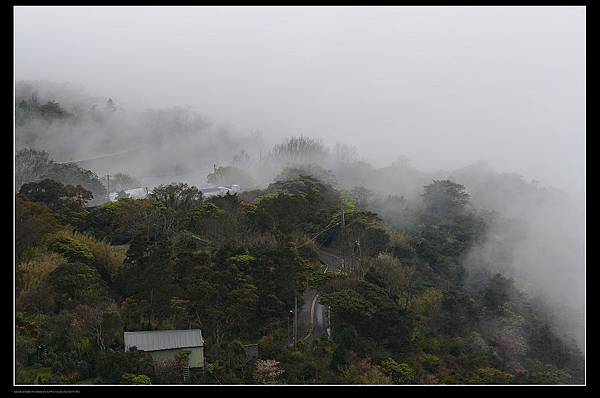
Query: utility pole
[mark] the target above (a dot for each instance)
(108, 186)
(295, 319)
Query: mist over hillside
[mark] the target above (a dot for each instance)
(537, 238)
(314, 195)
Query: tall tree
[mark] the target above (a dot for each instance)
(178, 196)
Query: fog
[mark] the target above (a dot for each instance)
(445, 86)
(415, 92)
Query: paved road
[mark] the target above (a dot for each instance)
(312, 318)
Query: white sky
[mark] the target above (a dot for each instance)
(445, 86)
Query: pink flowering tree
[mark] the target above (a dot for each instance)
(267, 371)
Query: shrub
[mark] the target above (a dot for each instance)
(128, 378)
(74, 251)
(400, 373)
(490, 376)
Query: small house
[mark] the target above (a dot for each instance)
(135, 193)
(219, 191)
(166, 344)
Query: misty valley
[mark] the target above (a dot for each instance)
(157, 247)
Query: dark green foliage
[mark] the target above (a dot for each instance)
(458, 312)
(311, 170)
(32, 166)
(271, 214)
(499, 291)
(373, 314)
(226, 298)
(359, 226)
(232, 266)
(121, 221)
(177, 196)
(445, 198)
(214, 224)
(112, 366)
(77, 283)
(55, 195)
(400, 373)
(153, 260)
(32, 222)
(280, 272)
(128, 378)
(73, 250)
(447, 228)
(548, 348)
(317, 280)
(491, 376)
(49, 110)
(71, 174)
(232, 367)
(314, 202)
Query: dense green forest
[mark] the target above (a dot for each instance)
(298, 196)
(402, 311)
(414, 269)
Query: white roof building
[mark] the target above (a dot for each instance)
(218, 191)
(135, 193)
(156, 340)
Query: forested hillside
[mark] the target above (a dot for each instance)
(297, 196)
(425, 278)
(403, 307)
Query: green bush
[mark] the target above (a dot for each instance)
(72, 249)
(400, 373)
(128, 378)
(490, 376)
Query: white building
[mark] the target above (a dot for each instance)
(135, 193)
(219, 191)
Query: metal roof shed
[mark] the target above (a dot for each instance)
(156, 340)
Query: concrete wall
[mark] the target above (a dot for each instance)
(196, 356)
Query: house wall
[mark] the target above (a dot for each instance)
(196, 356)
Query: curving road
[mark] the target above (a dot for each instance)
(313, 317)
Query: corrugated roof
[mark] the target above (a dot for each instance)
(163, 339)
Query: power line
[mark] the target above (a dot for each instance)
(317, 235)
(99, 157)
